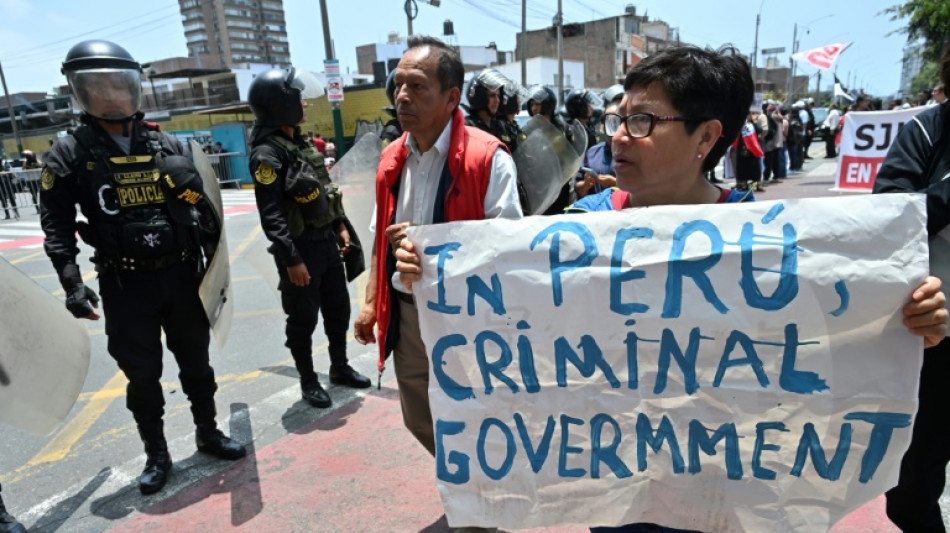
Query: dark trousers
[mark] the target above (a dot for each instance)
(830, 148)
(913, 504)
(138, 306)
(771, 165)
(326, 294)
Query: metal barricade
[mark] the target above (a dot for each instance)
(19, 189)
(223, 165)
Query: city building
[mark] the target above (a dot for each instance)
(911, 64)
(223, 33)
(380, 58)
(607, 47)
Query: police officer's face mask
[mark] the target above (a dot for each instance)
(110, 94)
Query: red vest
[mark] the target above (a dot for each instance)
(469, 162)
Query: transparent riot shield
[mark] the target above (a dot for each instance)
(355, 173)
(44, 355)
(215, 288)
(547, 159)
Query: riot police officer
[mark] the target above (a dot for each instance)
(511, 100)
(579, 106)
(542, 101)
(8, 524)
(302, 215)
(484, 99)
(144, 202)
(613, 94)
(392, 130)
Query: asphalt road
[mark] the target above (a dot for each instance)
(82, 478)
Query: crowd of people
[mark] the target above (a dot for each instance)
(652, 141)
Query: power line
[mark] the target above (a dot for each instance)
(72, 38)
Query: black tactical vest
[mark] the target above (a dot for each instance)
(131, 217)
(312, 200)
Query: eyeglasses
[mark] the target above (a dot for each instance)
(639, 125)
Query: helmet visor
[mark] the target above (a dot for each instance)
(111, 94)
(593, 99)
(491, 79)
(305, 82)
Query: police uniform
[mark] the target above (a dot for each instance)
(145, 224)
(302, 215)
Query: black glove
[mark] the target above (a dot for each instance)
(81, 301)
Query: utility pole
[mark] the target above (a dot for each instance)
(409, 16)
(818, 86)
(755, 52)
(560, 53)
(11, 112)
(337, 117)
(524, 43)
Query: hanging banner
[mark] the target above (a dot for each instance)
(866, 136)
(728, 368)
(822, 58)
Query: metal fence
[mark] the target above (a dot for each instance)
(228, 167)
(19, 190)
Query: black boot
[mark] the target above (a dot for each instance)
(346, 376)
(209, 439)
(8, 524)
(313, 393)
(158, 463)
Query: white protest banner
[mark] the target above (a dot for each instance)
(865, 138)
(822, 58)
(726, 368)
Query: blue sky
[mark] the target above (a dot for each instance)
(37, 33)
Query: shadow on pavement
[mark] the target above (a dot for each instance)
(240, 479)
(54, 518)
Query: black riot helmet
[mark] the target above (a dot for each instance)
(275, 96)
(513, 96)
(480, 86)
(104, 79)
(544, 96)
(391, 93)
(577, 102)
(614, 92)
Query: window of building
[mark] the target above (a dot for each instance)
(194, 26)
(196, 38)
(238, 13)
(273, 17)
(272, 5)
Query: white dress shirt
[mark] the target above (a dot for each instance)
(419, 185)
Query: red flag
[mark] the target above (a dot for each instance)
(823, 57)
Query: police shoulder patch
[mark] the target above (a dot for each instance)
(265, 174)
(47, 179)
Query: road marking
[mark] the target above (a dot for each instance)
(27, 257)
(245, 243)
(62, 443)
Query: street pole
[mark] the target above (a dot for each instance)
(560, 54)
(755, 52)
(524, 42)
(337, 117)
(818, 86)
(409, 17)
(791, 67)
(11, 112)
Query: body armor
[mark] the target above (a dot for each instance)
(129, 219)
(313, 201)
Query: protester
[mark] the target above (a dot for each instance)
(749, 156)
(660, 162)
(437, 152)
(773, 143)
(831, 130)
(919, 161)
(940, 95)
(319, 143)
(597, 170)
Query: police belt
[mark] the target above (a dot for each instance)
(314, 233)
(145, 264)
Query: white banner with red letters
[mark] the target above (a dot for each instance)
(866, 137)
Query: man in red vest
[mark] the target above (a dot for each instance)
(439, 170)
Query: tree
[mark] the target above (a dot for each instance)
(928, 76)
(928, 20)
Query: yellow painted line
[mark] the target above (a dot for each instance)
(245, 243)
(59, 447)
(28, 257)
